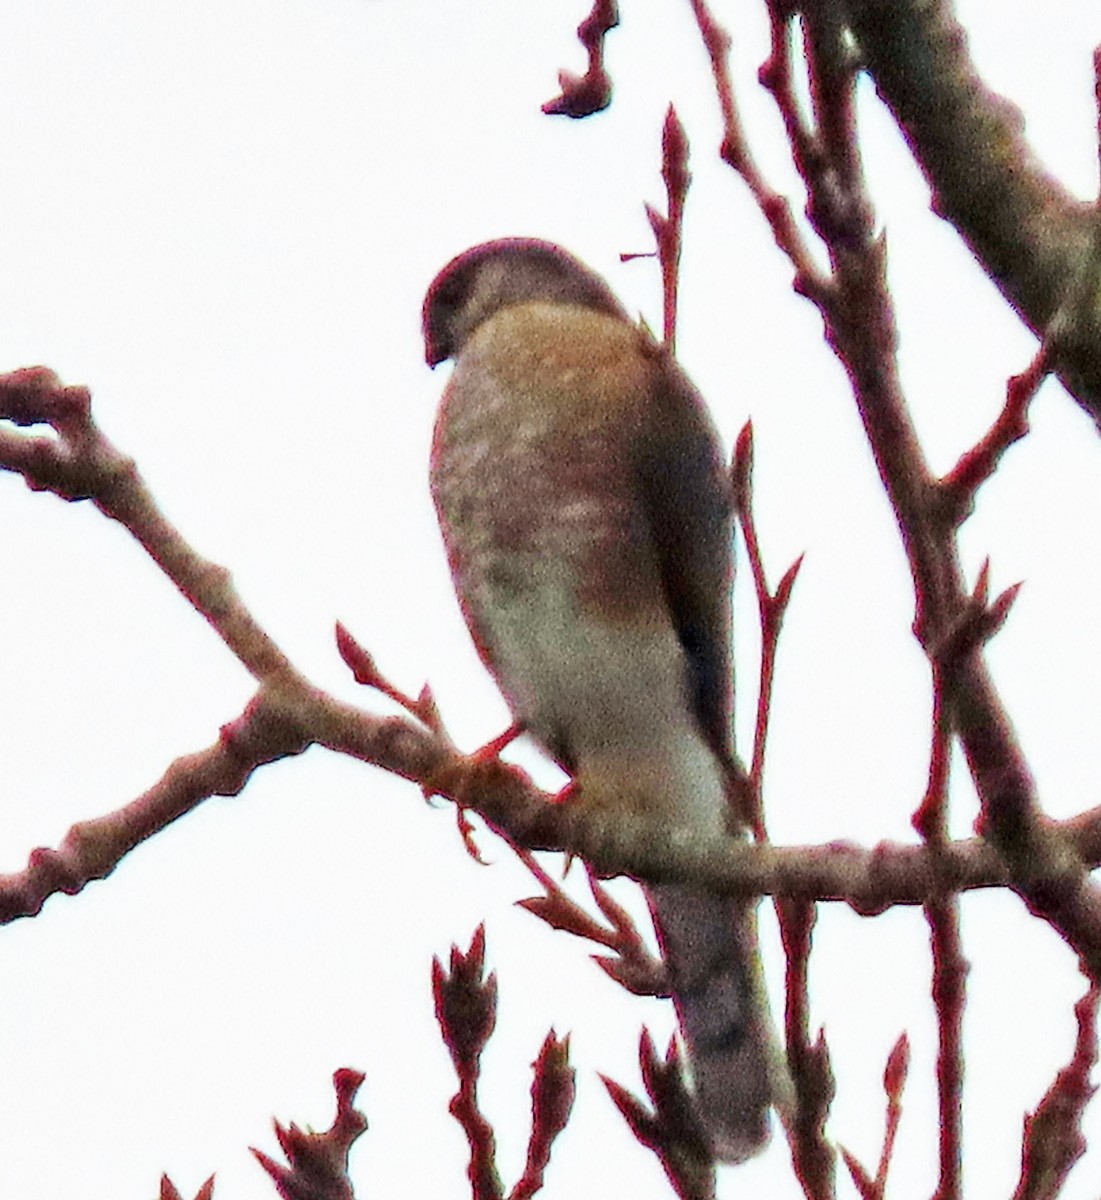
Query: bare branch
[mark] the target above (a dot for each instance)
(808, 1061)
(735, 151)
(282, 721)
(860, 326)
(771, 607)
(288, 713)
(583, 95)
(974, 468)
(668, 228)
(81, 464)
(942, 915)
(466, 1009)
(894, 1079)
(552, 1096)
(318, 1162)
(970, 144)
(1053, 1140)
(672, 1130)
(92, 849)
(949, 975)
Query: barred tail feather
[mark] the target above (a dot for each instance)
(710, 947)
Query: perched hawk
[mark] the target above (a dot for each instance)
(587, 516)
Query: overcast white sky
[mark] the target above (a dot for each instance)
(222, 216)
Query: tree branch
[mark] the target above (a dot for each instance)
(288, 714)
(860, 326)
(1031, 236)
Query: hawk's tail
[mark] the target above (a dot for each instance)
(710, 947)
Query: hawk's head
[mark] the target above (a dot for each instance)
(489, 277)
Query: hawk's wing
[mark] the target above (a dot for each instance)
(689, 499)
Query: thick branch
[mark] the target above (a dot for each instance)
(82, 464)
(860, 326)
(288, 717)
(1031, 236)
(287, 714)
(92, 849)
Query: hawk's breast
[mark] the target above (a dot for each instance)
(551, 552)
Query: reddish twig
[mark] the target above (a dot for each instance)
(976, 621)
(975, 467)
(735, 151)
(860, 327)
(552, 1095)
(466, 1009)
(671, 1129)
(862, 1181)
(278, 723)
(894, 1080)
(559, 910)
(808, 1062)
(631, 965)
(583, 95)
(92, 849)
(169, 1190)
(777, 77)
(668, 229)
(1053, 1140)
(809, 1065)
(365, 671)
(287, 714)
(771, 607)
(318, 1162)
(949, 976)
(942, 915)
(81, 464)
(1036, 241)
(281, 722)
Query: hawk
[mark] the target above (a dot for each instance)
(587, 515)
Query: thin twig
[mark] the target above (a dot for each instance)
(584, 95)
(808, 1062)
(317, 1163)
(736, 152)
(978, 464)
(949, 965)
(81, 464)
(466, 1010)
(668, 229)
(552, 1095)
(771, 607)
(671, 1129)
(894, 1080)
(1053, 1141)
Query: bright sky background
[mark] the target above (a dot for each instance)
(222, 216)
